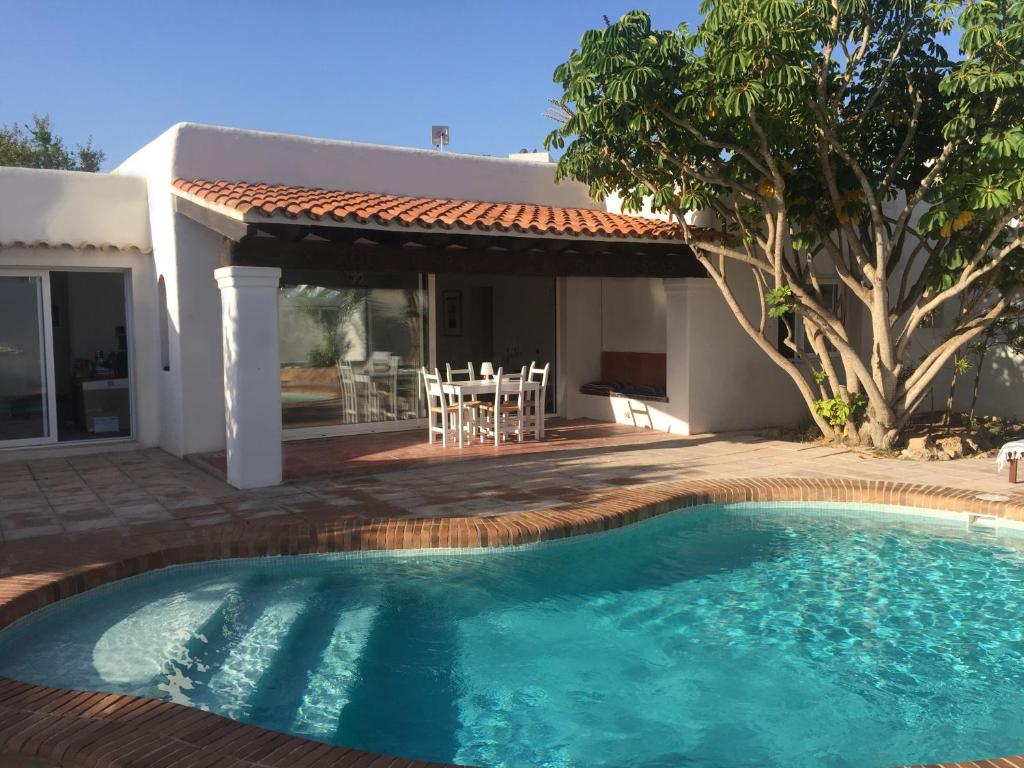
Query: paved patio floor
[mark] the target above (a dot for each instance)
(50, 504)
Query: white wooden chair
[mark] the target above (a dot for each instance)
(508, 407)
(349, 392)
(440, 413)
(538, 401)
(385, 388)
(471, 407)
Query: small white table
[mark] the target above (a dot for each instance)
(462, 389)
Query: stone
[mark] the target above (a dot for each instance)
(921, 448)
(952, 447)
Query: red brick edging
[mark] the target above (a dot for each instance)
(79, 729)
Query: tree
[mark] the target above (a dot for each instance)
(36, 146)
(823, 137)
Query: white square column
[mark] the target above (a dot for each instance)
(252, 374)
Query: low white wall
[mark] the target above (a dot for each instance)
(145, 343)
(67, 208)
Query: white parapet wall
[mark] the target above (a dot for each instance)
(73, 209)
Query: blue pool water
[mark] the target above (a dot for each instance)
(740, 636)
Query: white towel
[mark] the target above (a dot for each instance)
(1012, 450)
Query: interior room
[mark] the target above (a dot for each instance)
(90, 355)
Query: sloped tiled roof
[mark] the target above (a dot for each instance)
(362, 208)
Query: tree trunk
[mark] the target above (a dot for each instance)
(879, 434)
(947, 419)
(977, 385)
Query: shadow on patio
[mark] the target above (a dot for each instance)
(390, 451)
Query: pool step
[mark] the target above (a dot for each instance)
(976, 522)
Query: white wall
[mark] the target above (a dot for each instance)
(717, 378)
(613, 314)
(144, 337)
(185, 255)
(200, 359)
(213, 152)
(732, 384)
(67, 208)
(580, 344)
(633, 316)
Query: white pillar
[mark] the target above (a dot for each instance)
(252, 375)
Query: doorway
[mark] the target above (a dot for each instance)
(26, 365)
(90, 355)
(64, 361)
(509, 321)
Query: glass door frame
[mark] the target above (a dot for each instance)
(44, 316)
(374, 427)
(430, 319)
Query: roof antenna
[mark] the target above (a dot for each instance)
(439, 136)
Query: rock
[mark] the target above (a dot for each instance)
(951, 447)
(921, 448)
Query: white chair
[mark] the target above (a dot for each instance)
(538, 402)
(459, 374)
(508, 407)
(471, 406)
(384, 383)
(438, 406)
(349, 392)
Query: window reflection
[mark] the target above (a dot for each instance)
(351, 346)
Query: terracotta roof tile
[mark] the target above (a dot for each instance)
(392, 210)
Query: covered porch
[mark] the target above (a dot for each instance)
(321, 288)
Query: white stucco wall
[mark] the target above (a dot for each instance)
(717, 378)
(67, 208)
(192, 150)
(633, 314)
(614, 315)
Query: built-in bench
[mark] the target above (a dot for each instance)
(634, 375)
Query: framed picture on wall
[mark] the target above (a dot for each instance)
(451, 312)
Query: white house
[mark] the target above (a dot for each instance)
(201, 296)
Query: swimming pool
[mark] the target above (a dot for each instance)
(747, 635)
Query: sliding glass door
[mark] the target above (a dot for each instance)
(351, 346)
(27, 402)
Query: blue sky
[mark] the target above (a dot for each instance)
(381, 71)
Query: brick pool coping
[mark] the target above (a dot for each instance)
(75, 728)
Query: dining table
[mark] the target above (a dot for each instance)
(462, 390)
